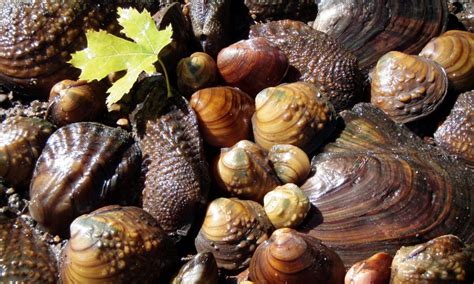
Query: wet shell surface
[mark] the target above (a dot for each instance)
(374, 270)
(21, 141)
(296, 113)
(291, 257)
(83, 166)
(232, 230)
(224, 115)
(454, 51)
(315, 58)
(456, 134)
(115, 245)
(407, 87)
(196, 72)
(378, 187)
(304, 10)
(201, 269)
(290, 163)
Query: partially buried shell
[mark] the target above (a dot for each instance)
(244, 171)
(442, 260)
(83, 166)
(290, 163)
(21, 141)
(201, 269)
(378, 187)
(292, 257)
(456, 134)
(297, 113)
(407, 87)
(454, 51)
(232, 230)
(117, 244)
(196, 72)
(374, 270)
(224, 115)
(315, 58)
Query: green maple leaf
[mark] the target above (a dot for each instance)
(106, 53)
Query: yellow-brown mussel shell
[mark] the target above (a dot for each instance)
(196, 72)
(290, 163)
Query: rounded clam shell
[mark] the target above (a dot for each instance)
(196, 72)
(290, 163)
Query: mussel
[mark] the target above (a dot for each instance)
(198, 71)
(292, 257)
(262, 10)
(374, 270)
(290, 163)
(83, 166)
(201, 269)
(117, 244)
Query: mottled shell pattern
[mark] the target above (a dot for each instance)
(198, 71)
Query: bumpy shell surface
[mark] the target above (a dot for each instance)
(21, 141)
(454, 50)
(378, 187)
(196, 72)
(24, 255)
(290, 163)
(456, 134)
(252, 65)
(201, 269)
(116, 245)
(304, 10)
(296, 113)
(442, 260)
(292, 257)
(232, 230)
(224, 115)
(369, 28)
(316, 58)
(175, 171)
(407, 87)
(286, 206)
(37, 38)
(83, 166)
(374, 270)
(244, 171)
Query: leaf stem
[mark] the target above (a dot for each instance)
(168, 86)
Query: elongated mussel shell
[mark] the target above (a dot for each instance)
(303, 10)
(83, 166)
(117, 244)
(201, 269)
(21, 141)
(224, 115)
(290, 163)
(232, 230)
(454, 51)
(296, 113)
(245, 172)
(378, 187)
(444, 259)
(291, 257)
(456, 134)
(407, 87)
(24, 255)
(316, 58)
(37, 38)
(369, 28)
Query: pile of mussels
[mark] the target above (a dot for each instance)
(328, 141)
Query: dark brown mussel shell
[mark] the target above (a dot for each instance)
(174, 167)
(84, 165)
(316, 58)
(444, 259)
(378, 187)
(374, 270)
(407, 87)
(292, 257)
(371, 28)
(37, 38)
(456, 134)
(21, 141)
(117, 244)
(24, 254)
(201, 269)
(303, 10)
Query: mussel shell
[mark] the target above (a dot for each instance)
(407, 87)
(83, 166)
(369, 28)
(201, 269)
(456, 134)
(291, 257)
(296, 113)
(224, 115)
(378, 187)
(21, 141)
(374, 270)
(232, 230)
(315, 58)
(117, 244)
(454, 51)
(24, 254)
(198, 71)
(303, 10)
(290, 163)
(252, 65)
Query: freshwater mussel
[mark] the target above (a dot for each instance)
(201, 269)
(198, 71)
(291, 164)
(373, 270)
